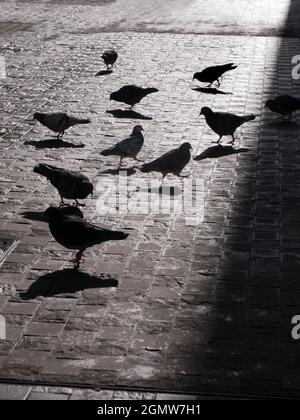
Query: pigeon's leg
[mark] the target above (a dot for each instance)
(77, 259)
(79, 204)
(218, 141)
(131, 108)
(62, 203)
(218, 83)
(120, 164)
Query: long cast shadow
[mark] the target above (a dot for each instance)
(127, 113)
(219, 151)
(211, 91)
(66, 281)
(53, 144)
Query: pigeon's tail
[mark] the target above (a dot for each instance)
(83, 121)
(249, 117)
(229, 66)
(118, 236)
(150, 90)
(106, 152)
(44, 170)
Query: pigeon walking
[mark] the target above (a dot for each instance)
(129, 147)
(224, 123)
(109, 57)
(212, 74)
(131, 94)
(171, 162)
(284, 105)
(71, 185)
(59, 122)
(73, 232)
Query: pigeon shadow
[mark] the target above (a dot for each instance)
(219, 151)
(127, 113)
(35, 215)
(211, 91)
(40, 216)
(280, 123)
(66, 281)
(103, 73)
(129, 171)
(53, 144)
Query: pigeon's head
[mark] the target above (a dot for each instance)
(137, 129)
(206, 111)
(38, 116)
(54, 214)
(112, 96)
(185, 146)
(197, 75)
(84, 189)
(269, 103)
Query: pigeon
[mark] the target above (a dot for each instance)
(224, 123)
(72, 211)
(71, 185)
(73, 232)
(129, 147)
(284, 105)
(109, 57)
(131, 94)
(171, 162)
(212, 74)
(58, 122)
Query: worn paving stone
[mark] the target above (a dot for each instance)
(219, 296)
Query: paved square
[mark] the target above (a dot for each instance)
(194, 309)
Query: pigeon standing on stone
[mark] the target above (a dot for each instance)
(129, 147)
(59, 122)
(71, 185)
(212, 74)
(131, 94)
(109, 57)
(284, 105)
(73, 232)
(171, 162)
(224, 123)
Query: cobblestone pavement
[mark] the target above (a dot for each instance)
(173, 308)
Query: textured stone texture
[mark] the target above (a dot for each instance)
(175, 308)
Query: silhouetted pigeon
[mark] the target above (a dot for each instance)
(211, 74)
(59, 122)
(109, 57)
(224, 123)
(131, 94)
(71, 185)
(73, 232)
(284, 105)
(129, 147)
(171, 162)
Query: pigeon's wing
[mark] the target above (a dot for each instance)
(66, 182)
(76, 233)
(173, 161)
(226, 123)
(288, 104)
(56, 121)
(130, 146)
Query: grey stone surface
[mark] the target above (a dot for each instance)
(177, 308)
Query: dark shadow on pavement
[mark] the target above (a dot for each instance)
(169, 190)
(211, 91)
(103, 73)
(127, 113)
(53, 144)
(219, 151)
(117, 171)
(41, 217)
(66, 281)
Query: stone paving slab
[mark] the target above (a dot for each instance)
(175, 308)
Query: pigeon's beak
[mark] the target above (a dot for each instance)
(200, 113)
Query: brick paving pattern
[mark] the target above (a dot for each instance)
(173, 308)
